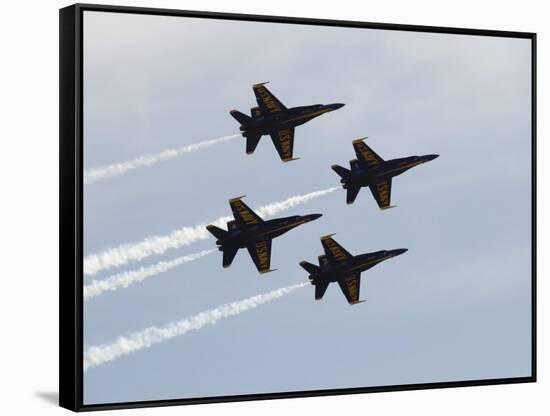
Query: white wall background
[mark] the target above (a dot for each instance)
(29, 207)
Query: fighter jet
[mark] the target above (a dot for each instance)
(273, 118)
(337, 265)
(250, 231)
(372, 171)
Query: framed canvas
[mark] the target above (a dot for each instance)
(415, 144)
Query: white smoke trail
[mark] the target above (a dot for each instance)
(101, 354)
(117, 169)
(125, 253)
(288, 203)
(125, 279)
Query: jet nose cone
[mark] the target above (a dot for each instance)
(427, 158)
(312, 217)
(400, 251)
(335, 106)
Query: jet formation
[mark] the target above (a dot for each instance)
(250, 231)
(368, 170)
(371, 171)
(272, 118)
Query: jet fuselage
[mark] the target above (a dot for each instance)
(243, 237)
(364, 175)
(268, 123)
(357, 264)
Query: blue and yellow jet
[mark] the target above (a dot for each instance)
(272, 118)
(370, 170)
(250, 231)
(338, 265)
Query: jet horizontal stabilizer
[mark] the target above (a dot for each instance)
(357, 301)
(324, 237)
(310, 268)
(342, 172)
(359, 140)
(252, 141)
(290, 159)
(240, 117)
(260, 84)
(388, 207)
(217, 232)
(267, 271)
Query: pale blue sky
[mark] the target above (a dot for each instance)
(456, 306)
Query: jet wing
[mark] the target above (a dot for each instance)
(350, 287)
(284, 143)
(366, 154)
(381, 191)
(243, 213)
(260, 252)
(267, 102)
(335, 252)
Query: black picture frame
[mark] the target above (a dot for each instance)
(71, 202)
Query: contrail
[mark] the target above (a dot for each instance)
(125, 279)
(116, 169)
(101, 354)
(125, 253)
